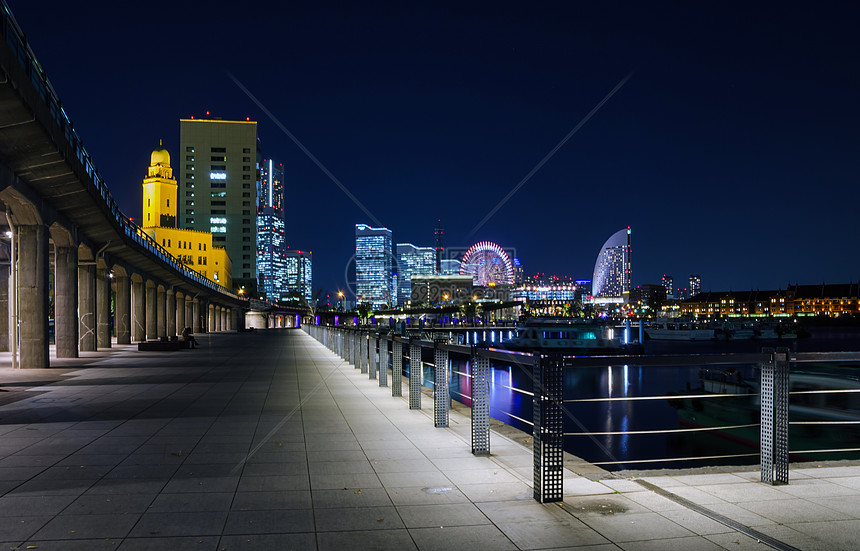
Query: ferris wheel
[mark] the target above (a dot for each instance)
(487, 263)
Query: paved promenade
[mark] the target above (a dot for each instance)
(267, 441)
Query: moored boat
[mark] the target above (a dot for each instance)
(678, 330)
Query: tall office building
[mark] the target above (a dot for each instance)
(218, 191)
(271, 262)
(374, 266)
(695, 285)
(412, 261)
(669, 285)
(612, 270)
(298, 269)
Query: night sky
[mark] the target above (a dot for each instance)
(732, 151)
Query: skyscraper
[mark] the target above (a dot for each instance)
(669, 285)
(411, 261)
(219, 183)
(695, 285)
(613, 270)
(298, 269)
(374, 265)
(271, 263)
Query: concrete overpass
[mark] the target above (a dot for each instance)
(66, 250)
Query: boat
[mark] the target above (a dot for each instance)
(569, 335)
(766, 331)
(678, 330)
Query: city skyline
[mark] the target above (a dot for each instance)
(726, 149)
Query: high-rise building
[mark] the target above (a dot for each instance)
(219, 183)
(613, 270)
(440, 249)
(518, 272)
(412, 261)
(298, 269)
(374, 266)
(451, 266)
(669, 285)
(695, 285)
(271, 263)
(192, 248)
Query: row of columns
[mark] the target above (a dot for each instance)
(83, 291)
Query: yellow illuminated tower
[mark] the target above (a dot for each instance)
(159, 192)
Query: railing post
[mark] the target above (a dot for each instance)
(374, 361)
(356, 349)
(774, 417)
(415, 374)
(362, 352)
(383, 361)
(441, 392)
(480, 400)
(396, 367)
(548, 428)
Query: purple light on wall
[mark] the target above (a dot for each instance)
(317, 320)
(298, 320)
(336, 317)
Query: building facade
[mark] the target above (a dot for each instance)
(299, 274)
(831, 300)
(192, 248)
(695, 285)
(412, 261)
(271, 263)
(374, 266)
(669, 285)
(218, 191)
(613, 268)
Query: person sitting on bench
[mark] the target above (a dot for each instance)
(189, 338)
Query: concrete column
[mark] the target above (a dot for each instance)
(86, 308)
(189, 313)
(103, 308)
(122, 316)
(180, 312)
(195, 315)
(161, 325)
(66, 301)
(234, 319)
(151, 318)
(210, 318)
(138, 321)
(222, 318)
(33, 296)
(4, 308)
(171, 313)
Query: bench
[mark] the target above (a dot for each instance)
(161, 346)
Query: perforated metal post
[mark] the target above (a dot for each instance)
(441, 392)
(340, 343)
(383, 361)
(480, 401)
(415, 374)
(774, 417)
(374, 360)
(362, 352)
(548, 428)
(396, 368)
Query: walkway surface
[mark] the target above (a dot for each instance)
(267, 440)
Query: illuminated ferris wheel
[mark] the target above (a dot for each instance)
(487, 263)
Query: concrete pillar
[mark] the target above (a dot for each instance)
(4, 308)
(210, 318)
(122, 307)
(138, 321)
(151, 318)
(33, 296)
(195, 315)
(222, 317)
(180, 312)
(66, 301)
(171, 313)
(189, 313)
(234, 319)
(86, 308)
(161, 325)
(102, 308)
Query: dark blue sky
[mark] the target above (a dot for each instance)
(733, 150)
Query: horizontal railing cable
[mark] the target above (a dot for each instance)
(661, 431)
(674, 459)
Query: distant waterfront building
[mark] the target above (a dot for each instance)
(649, 297)
(412, 261)
(831, 300)
(695, 285)
(518, 272)
(298, 273)
(219, 183)
(451, 266)
(612, 270)
(441, 290)
(192, 248)
(669, 285)
(374, 266)
(271, 245)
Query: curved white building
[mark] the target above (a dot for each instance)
(612, 271)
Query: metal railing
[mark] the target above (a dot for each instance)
(16, 40)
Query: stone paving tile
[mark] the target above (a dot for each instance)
(793, 511)
(690, 543)
(380, 540)
(19, 528)
(102, 544)
(457, 538)
(425, 495)
(695, 522)
(843, 534)
(449, 514)
(94, 504)
(270, 522)
(267, 542)
(198, 502)
(71, 527)
(201, 543)
(358, 497)
(12, 505)
(179, 524)
(357, 518)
